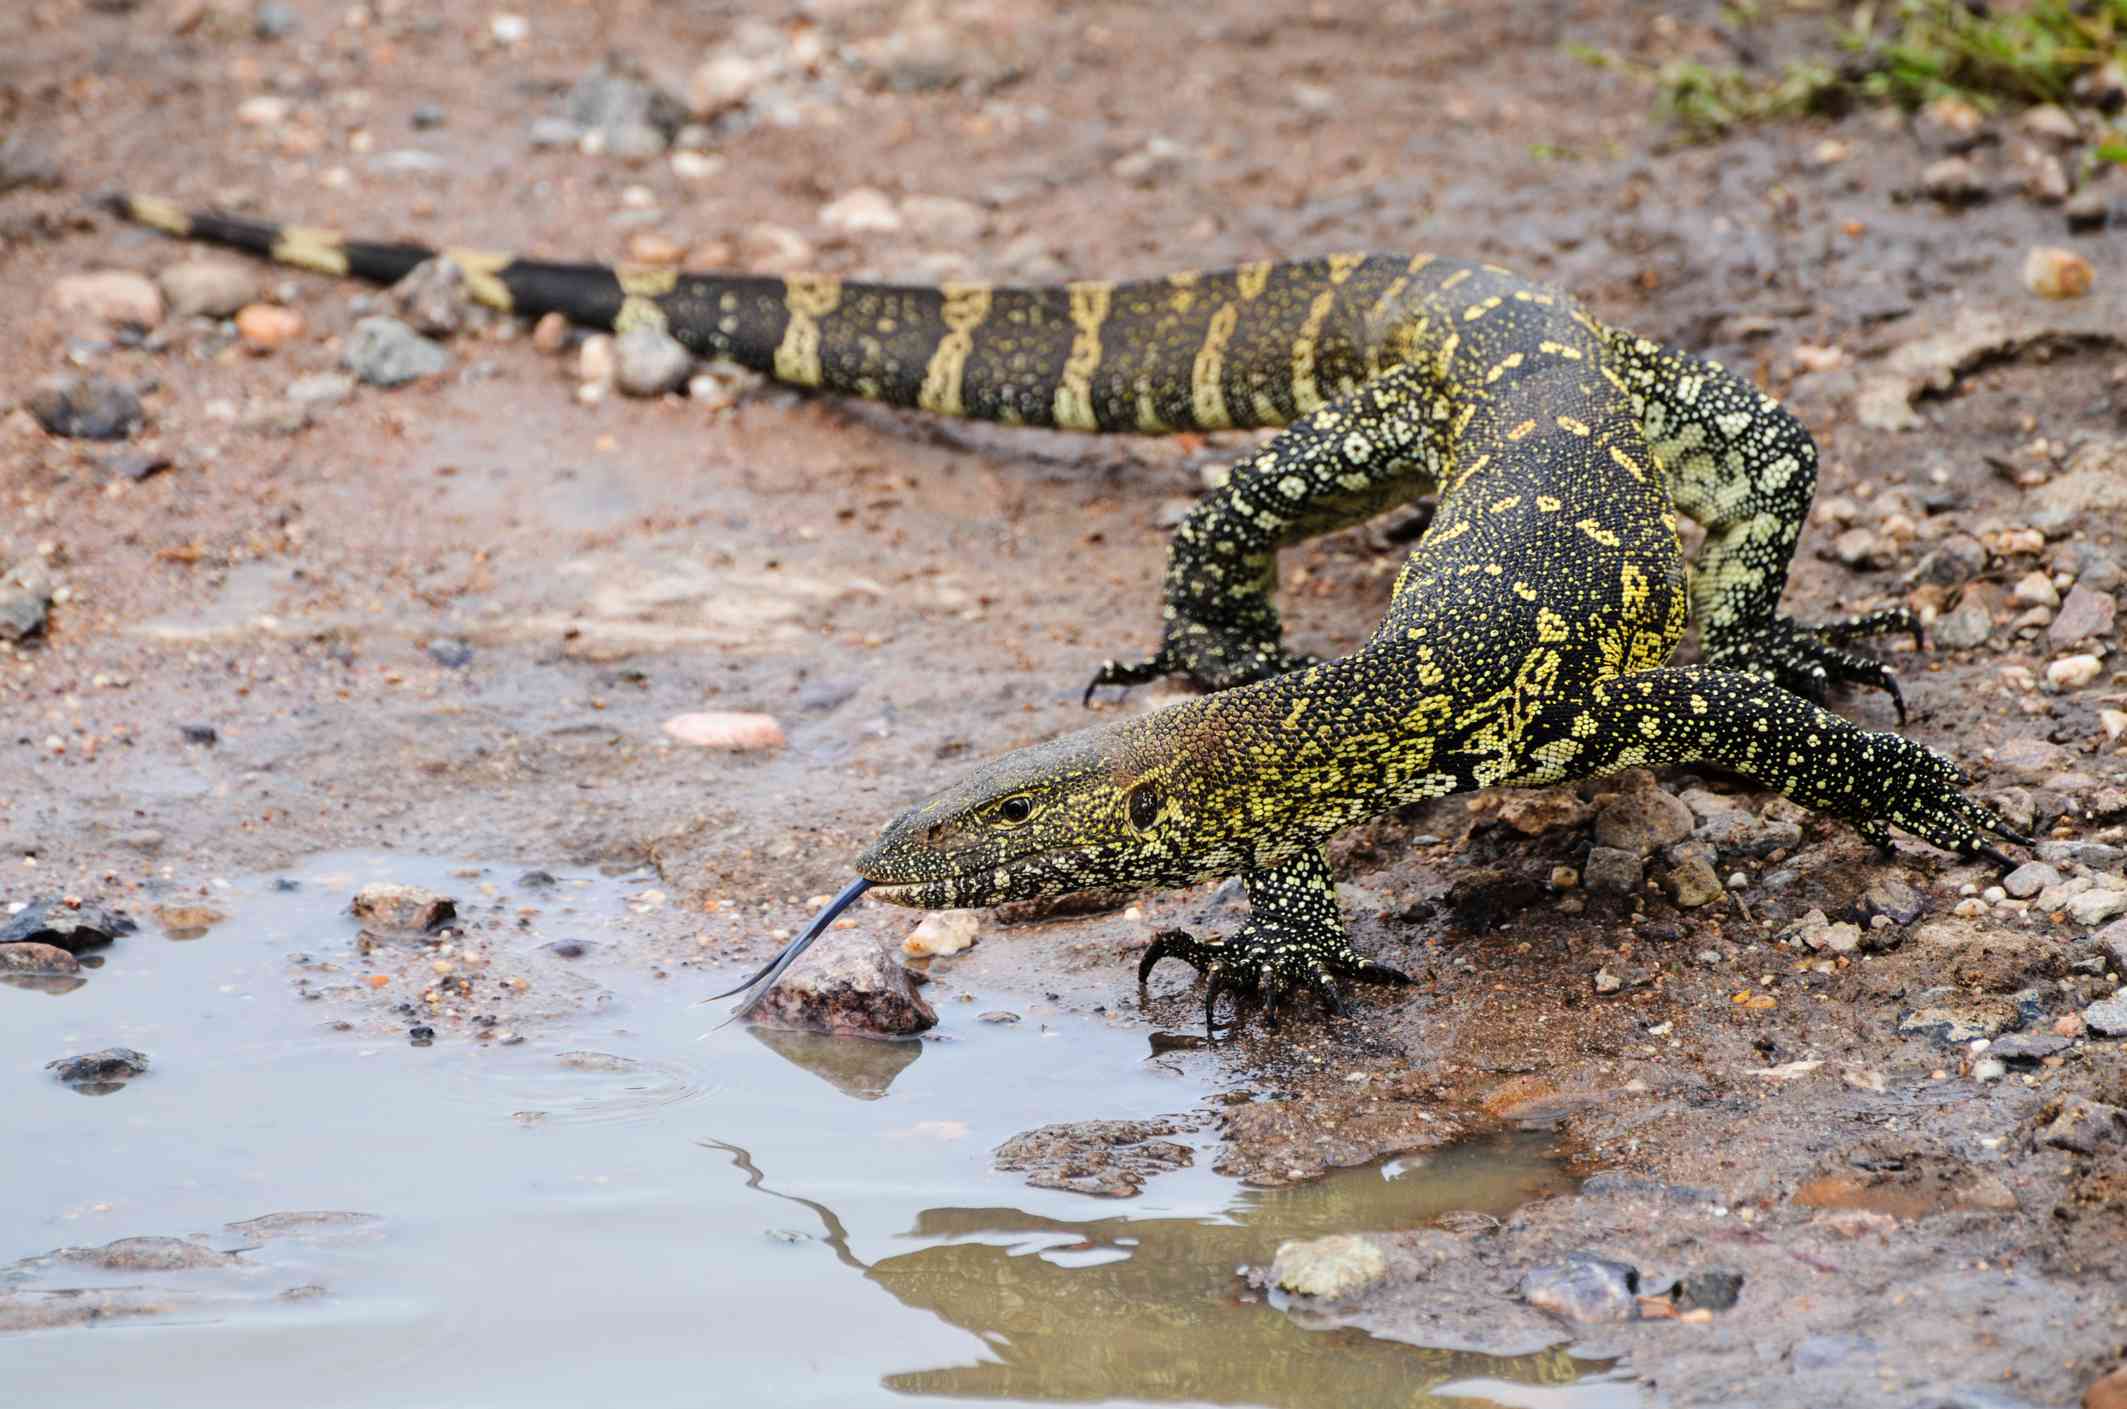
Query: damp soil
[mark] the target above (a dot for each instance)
(451, 620)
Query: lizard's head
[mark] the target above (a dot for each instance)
(1108, 806)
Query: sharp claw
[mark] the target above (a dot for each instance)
(1382, 973)
(1996, 855)
(1897, 698)
(1272, 988)
(1214, 983)
(1326, 989)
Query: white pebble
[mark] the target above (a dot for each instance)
(2073, 672)
(724, 729)
(945, 932)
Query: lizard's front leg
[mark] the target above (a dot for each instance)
(1342, 465)
(1294, 939)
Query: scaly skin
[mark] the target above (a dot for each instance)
(1529, 635)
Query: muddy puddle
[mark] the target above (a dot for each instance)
(615, 1208)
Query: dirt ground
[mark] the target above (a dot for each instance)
(452, 618)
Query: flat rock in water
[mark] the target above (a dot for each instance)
(69, 927)
(1336, 1266)
(37, 959)
(147, 1255)
(848, 984)
(1108, 1158)
(403, 907)
(92, 407)
(1585, 1288)
(111, 1065)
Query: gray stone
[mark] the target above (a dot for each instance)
(553, 132)
(847, 983)
(1586, 1288)
(321, 389)
(146, 840)
(433, 297)
(111, 1065)
(2028, 1048)
(2081, 853)
(72, 927)
(24, 609)
(148, 1255)
(1612, 869)
(2113, 940)
(25, 161)
(1105, 1158)
(1968, 625)
(1711, 1288)
(615, 97)
(91, 407)
(1958, 1022)
(2084, 1126)
(2084, 615)
(1819, 933)
(2108, 1016)
(649, 362)
(1335, 1266)
(274, 19)
(208, 288)
(2094, 907)
(1894, 899)
(2029, 879)
(385, 352)
(1955, 561)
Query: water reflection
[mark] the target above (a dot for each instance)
(1150, 1310)
(856, 1067)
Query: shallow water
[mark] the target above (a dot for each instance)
(614, 1210)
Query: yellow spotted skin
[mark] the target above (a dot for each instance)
(1528, 638)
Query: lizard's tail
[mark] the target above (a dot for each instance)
(1253, 346)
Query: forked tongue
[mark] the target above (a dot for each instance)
(773, 969)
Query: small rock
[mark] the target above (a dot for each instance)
(2029, 879)
(273, 19)
(149, 1254)
(203, 735)
(2073, 672)
(403, 907)
(1714, 1289)
(1956, 560)
(2108, 1016)
(1957, 1023)
(187, 921)
(737, 732)
(321, 389)
(861, 211)
(2050, 272)
(1534, 811)
(1821, 935)
(92, 407)
(552, 132)
(1968, 625)
(1859, 548)
(635, 116)
(1953, 181)
(596, 360)
(211, 288)
(2052, 122)
(2028, 1048)
(69, 927)
(1336, 1266)
(649, 362)
(1894, 899)
(37, 959)
(146, 840)
(385, 352)
(275, 417)
(1694, 884)
(1612, 870)
(2107, 1392)
(941, 932)
(2113, 940)
(433, 298)
(2087, 210)
(944, 219)
(997, 1015)
(451, 653)
(111, 297)
(847, 983)
(25, 161)
(2083, 615)
(2036, 589)
(1607, 982)
(111, 1065)
(24, 609)
(2084, 1126)
(426, 117)
(551, 333)
(2094, 907)
(1642, 820)
(1586, 1288)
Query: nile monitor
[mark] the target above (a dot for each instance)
(1526, 640)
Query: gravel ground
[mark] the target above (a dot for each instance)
(268, 597)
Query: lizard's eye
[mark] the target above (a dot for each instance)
(1144, 806)
(1014, 810)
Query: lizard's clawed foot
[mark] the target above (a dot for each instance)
(1811, 659)
(1270, 960)
(1929, 801)
(1209, 657)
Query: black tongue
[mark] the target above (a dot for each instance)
(773, 969)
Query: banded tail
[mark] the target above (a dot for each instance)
(1257, 345)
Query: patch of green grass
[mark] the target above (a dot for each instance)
(1907, 52)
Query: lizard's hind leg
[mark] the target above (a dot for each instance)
(1741, 465)
(1692, 714)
